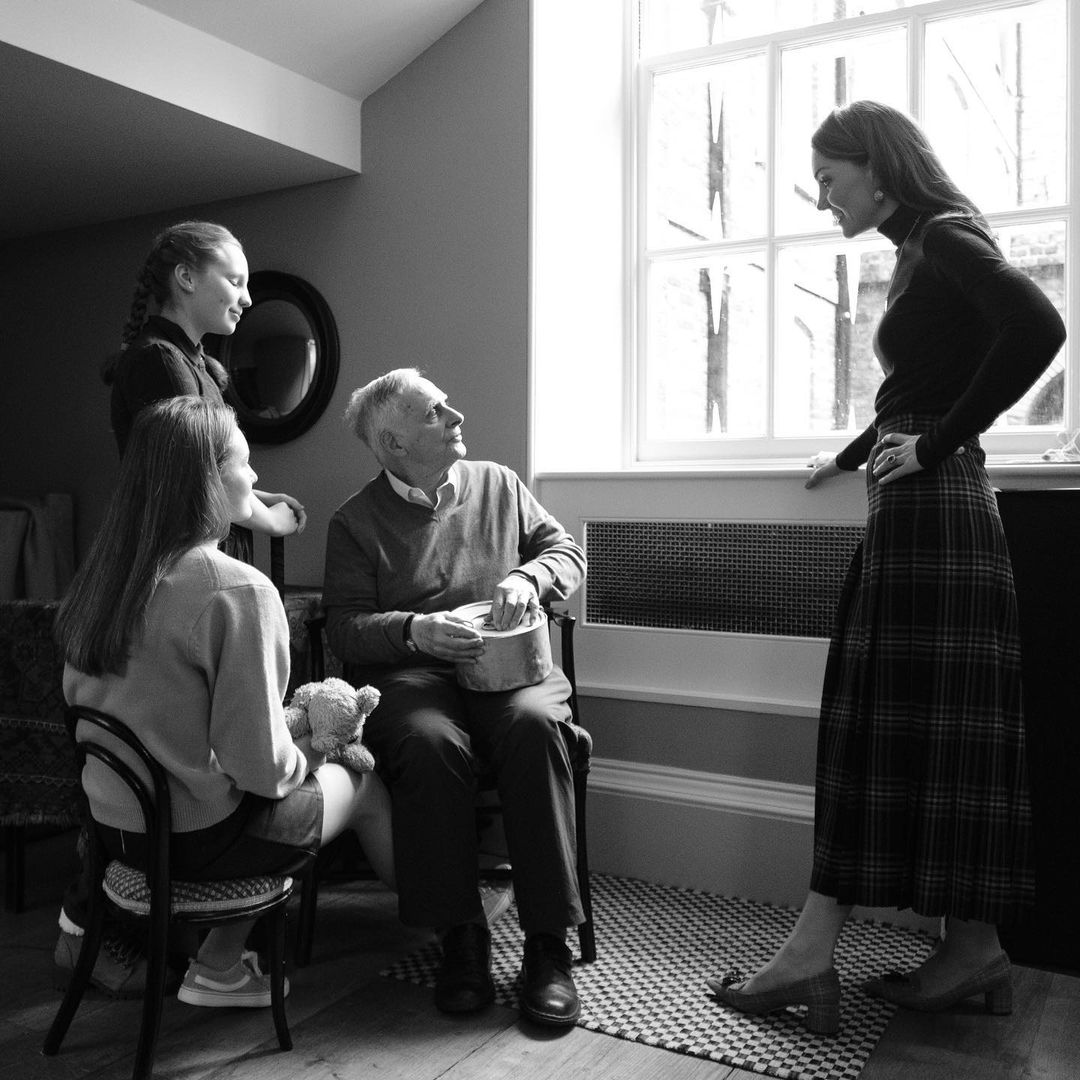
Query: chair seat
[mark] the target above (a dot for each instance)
(128, 888)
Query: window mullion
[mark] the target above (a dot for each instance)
(772, 179)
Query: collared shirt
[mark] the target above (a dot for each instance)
(446, 490)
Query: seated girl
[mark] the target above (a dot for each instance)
(190, 648)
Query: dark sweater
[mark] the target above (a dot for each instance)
(386, 557)
(964, 337)
(162, 362)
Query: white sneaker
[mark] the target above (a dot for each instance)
(496, 897)
(243, 985)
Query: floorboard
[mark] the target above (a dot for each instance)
(348, 1021)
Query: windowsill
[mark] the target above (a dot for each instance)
(1003, 465)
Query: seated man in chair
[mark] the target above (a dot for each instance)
(431, 533)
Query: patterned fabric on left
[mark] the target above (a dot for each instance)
(39, 784)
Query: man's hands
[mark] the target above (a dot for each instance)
(515, 601)
(443, 635)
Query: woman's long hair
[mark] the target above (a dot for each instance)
(190, 243)
(895, 147)
(169, 499)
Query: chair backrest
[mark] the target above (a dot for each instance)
(152, 796)
(241, 546)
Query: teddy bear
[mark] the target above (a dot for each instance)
(334, 713)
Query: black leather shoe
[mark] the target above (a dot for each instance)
(548, 994)
(463, 983)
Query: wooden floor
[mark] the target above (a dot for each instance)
(348, 1022)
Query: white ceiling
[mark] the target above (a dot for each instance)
(76, 149)
(353, 46)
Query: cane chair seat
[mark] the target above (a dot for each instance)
(128, 888)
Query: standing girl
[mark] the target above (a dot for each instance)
(197, 274)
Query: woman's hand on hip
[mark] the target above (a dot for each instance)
(896, 458)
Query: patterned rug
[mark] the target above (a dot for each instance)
(656, 945)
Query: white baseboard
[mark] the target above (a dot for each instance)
(730, 835)
(688, 787)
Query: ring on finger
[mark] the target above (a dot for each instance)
(891, 459)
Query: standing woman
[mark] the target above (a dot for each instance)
(197, 274)
(922, 790)
(190, 649)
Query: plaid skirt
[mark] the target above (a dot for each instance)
(922, 794)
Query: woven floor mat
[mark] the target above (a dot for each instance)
(655, 947)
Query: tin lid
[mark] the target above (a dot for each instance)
(478, 615)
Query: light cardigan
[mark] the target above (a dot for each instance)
(203, 690)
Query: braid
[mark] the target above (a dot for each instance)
(195, 243)
(137, 315)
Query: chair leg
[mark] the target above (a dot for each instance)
(153, 997)
(586, 931)
(277, 976)
(14, 867)
(80, 977)
(309, 902)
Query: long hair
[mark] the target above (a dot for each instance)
(370, 406)
(895, 147)
(191, 243)
(169, 498)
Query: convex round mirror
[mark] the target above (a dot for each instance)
(282, 359)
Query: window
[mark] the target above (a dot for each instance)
(754, 318)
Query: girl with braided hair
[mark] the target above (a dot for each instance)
(196, 276)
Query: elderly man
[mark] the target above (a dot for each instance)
(431, 533)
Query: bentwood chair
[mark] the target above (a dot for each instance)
(579, 745)
(155, 895)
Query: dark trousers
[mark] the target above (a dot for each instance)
(431, 739)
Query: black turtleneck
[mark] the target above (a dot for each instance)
(964, 336)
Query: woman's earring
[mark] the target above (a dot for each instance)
(879, 195)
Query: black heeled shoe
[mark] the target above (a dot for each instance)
(994, 982)
(819, 993)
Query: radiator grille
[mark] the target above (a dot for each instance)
(771, 578)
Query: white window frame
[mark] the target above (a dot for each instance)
(771, 449)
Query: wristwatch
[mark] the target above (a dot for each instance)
(406, 633)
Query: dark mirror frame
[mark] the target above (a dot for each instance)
(265, 285)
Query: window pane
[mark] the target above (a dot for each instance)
(705, 364)
(996, 104)
(707, 154)
(816, 79)
(830, 299)
(673, 25)
(1039, 250)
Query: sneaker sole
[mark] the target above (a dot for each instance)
(210, 1000)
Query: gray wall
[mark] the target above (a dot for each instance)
(423, 260)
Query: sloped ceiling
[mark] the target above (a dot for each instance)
(95, 130)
